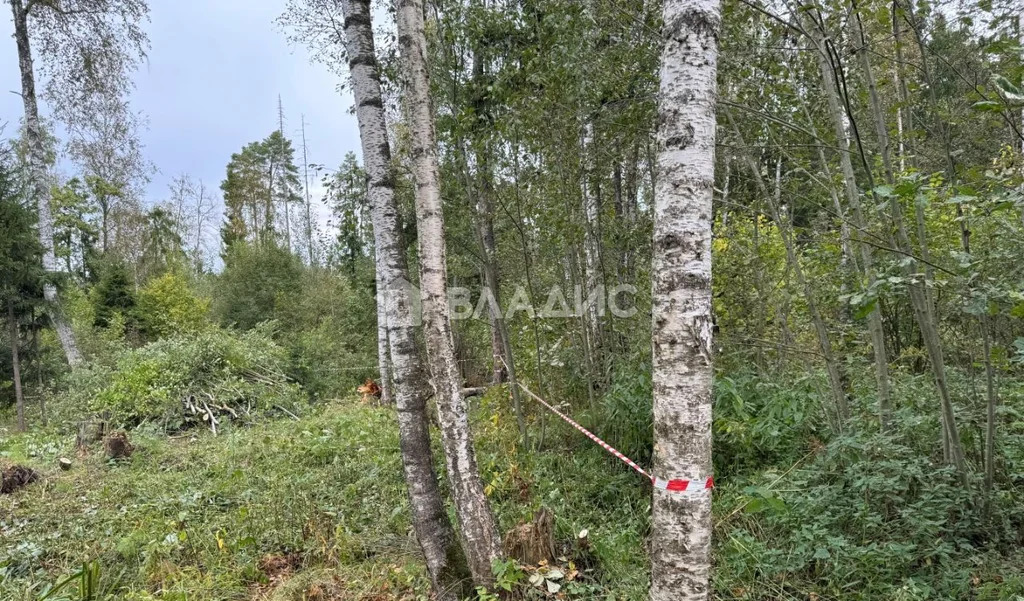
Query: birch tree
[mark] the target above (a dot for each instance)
(87, 47)
(395, 305)
(681, 288)
(476, 524)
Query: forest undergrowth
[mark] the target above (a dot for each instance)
(314, 507)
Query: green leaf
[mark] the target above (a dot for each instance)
(988, 106)
(885, 191)
(866, 309)
(1009, 91)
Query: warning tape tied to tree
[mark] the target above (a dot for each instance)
(677, 485)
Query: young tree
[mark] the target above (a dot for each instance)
(87, 48)
(74, 234)
(347, 198)
(476, 524)
(681, 274)
(20, 274)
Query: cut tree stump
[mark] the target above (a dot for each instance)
(118, 446)
(533, 542)
(13, 477)
(64, 463)
(89, 432)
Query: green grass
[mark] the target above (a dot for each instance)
(197, 517)
(315, 509)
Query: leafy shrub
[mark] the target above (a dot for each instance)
(760, 422)
(625, 418)
(167, 306)
(331, 335)
(258, 284)
(211, 375)
(866, 517)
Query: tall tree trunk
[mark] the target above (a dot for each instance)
(12, 325)
(476, 524)
(484, 187)
(305, 190)
(40, 186)
(590, 192)
(38, 364)
(488, 244)
(681, 295)
(990, 408)
(835, 376)
(444, 559)
(504, 363)
(919, 299)
(875, 327)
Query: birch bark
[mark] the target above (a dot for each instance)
(39, 182)
(430, 520)
(476, 523)
(681, 313)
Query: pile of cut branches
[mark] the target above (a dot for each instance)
(207, 378)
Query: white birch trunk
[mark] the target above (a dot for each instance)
(40, 185)
(681, 312)
(591, 241)
(430, 520)
(476, 524)
(383, 352)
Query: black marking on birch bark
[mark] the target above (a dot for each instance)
(697, 22)
(686, 242)
(681, 140)
(363, 59)
(372, 101)
(360, 18)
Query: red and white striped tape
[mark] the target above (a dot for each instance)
(677, 485)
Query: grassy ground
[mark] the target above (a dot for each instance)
(308, 509)
(314, 509)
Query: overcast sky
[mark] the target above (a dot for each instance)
(211, 84)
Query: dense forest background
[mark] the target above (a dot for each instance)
(868, 299)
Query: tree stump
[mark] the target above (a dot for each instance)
(88, 433)
(533, 542)
(117, 445)
(13, 477)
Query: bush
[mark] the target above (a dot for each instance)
(331, 335)
(205, 377)
(258, 284)
(870, 510)
(167, 306)
(759, 422)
